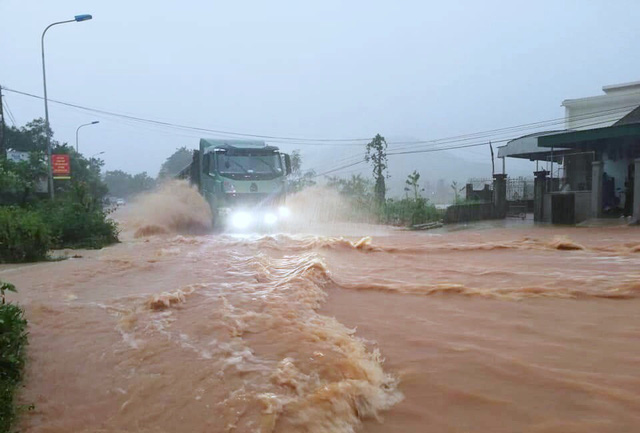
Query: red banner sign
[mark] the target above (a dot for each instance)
(61, 166)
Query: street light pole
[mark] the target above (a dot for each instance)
(77, 18)
(78, 129)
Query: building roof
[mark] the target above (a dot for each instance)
(592, 137)
(235, 146)
(632, 117)
(527, 147)
(224, 142)
(633, 86)
(624, 94)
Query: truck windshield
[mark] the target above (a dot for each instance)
(244, 166)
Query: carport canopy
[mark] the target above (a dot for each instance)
(528, 147)
(591, 139)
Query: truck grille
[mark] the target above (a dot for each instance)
(252, 199)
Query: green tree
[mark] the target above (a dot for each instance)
(31, 137)
(176, 162)
(123, 184)
(19, 180)
(456, 193)
(357, 187)
(142, 182)
(299, 179)
(412, 183)
(296, 162)
(377, 155)
(118, 182)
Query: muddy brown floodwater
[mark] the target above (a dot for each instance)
(497, 329)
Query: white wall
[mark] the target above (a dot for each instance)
(603, 110)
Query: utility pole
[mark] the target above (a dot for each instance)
(493, 166)
(77, 18)
(3, 151)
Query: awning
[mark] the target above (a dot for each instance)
(528, 147)
(592, 137)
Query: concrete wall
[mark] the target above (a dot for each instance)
(469, 212)
(636, 192)
(546, 208)
(583, 205)
(483, 195)
(596, 189)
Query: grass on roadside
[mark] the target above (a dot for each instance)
(13, 342)
(27, 234)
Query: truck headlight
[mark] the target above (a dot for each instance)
(284, 212)
(241, 220)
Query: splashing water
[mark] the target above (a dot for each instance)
(175, 207)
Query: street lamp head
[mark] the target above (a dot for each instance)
(83, 17)
(95, 121)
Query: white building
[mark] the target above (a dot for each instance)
(592, 168)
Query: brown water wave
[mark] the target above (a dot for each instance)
(317, 376)
(295, 243)
(627, 287)
(627, 290)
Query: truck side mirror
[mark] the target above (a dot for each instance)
(287, 163)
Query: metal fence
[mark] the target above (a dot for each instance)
(479, 182)
(518, 188)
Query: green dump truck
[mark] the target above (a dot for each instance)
(244, 181)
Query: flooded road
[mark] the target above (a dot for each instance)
(495, 330)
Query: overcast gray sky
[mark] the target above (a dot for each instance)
(335, 69)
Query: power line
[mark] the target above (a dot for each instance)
(6, 107)
(523, 127)
(176, 125)
(397, 151)
(343, 141)
(404, 153)
(429, 150)
(408, 152)
(422, 146)
(337, 169)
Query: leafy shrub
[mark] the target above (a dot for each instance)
(13, 342)
(409, 212)
(19, 180)
(24, 237)
(77, 225)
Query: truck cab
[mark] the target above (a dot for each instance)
(244, 181)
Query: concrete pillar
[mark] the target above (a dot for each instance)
(636, 191)
(500, 195)
(539, 190)
(597, 170)
(469, 191)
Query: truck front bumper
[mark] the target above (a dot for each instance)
(247, 219)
